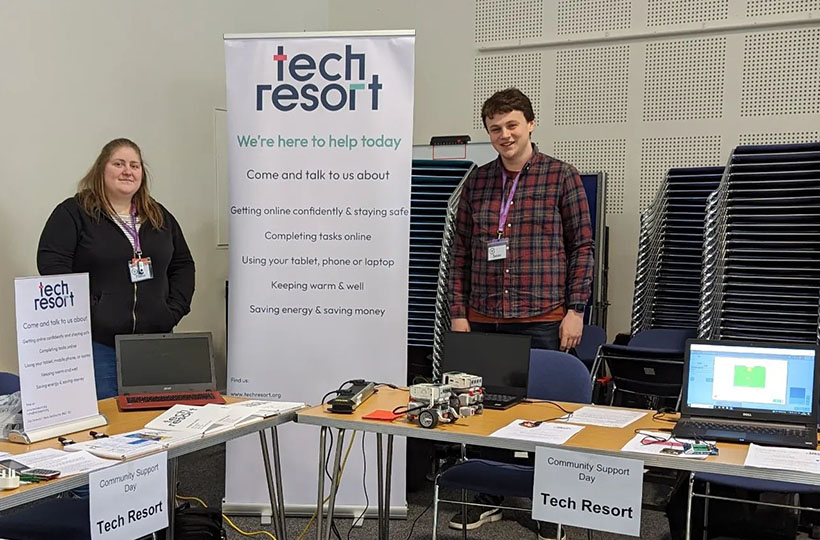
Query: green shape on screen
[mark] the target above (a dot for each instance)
(750, 377)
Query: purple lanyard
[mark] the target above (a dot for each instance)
(132, 229)
(505, 205)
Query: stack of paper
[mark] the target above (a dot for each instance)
(543, 432)
(65, 462)
(182, 423)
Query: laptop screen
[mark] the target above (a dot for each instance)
(150, 361)
(749, 378)
(501, 360)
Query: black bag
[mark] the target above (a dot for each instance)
(196, 523)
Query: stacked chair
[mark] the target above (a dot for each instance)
(442, 303)
(432, 183)
(668, 277)
(761, 278)
(761, 271)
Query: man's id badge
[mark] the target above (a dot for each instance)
(497, 249)
(140, 269)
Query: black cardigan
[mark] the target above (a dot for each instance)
(73, 241)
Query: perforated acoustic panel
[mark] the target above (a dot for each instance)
(658, 155)
(781, 73)
(779, 138)
(684, 80)
(671, 12)
(493, 73)
(608, 155)
(760, 8)
(592, 85)
(579, 16)
(498, 20)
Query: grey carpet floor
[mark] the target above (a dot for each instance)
(417, 526)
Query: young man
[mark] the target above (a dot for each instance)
(523, 255)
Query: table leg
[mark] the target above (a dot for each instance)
(689, 507)
(280, 492)
(387, 483)
(334, 485)
(380, 481)
(320, 507)
(172, 496)
(274, 505)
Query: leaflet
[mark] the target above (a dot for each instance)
(544, 432)
(789, 459)
(187, 418)
(132, 444)
(68, 463)
(264, 409)
(604, 416)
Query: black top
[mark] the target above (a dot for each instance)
(73, 241)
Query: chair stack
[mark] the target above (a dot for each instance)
(761, 278)
(433, 183)
(668, 276)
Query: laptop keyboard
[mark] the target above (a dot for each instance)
(167, 397)
(498, 397)
(700, 425)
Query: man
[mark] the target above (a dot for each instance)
(523, 255)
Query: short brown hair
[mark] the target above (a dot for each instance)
(91, 189)
(504, 101)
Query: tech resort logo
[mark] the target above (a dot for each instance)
(336, 81)
(54, 296)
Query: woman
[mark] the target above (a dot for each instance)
(140, 269)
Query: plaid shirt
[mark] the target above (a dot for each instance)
(550, 253)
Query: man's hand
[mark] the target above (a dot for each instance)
(460, 325)
(571, 329)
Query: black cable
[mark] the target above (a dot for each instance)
(328, 394)
(417, 518)
(364, 487)
(404, 409)
(548, 402)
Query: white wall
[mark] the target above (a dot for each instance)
(628, 87)
(74, 75)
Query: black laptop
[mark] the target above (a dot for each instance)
(750, 392)
(501, 360)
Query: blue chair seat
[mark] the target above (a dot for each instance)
(490, 477)
(756, 484)
(65, 518)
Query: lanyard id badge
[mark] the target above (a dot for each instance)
(497, 249)
(140, 269)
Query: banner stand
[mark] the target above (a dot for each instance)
(33, 436)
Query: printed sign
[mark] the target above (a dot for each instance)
(589, 491)
(129, 500)
(54, 350)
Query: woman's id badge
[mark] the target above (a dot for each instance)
(140, 269)
(497, 249)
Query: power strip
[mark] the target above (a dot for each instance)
(347, 400)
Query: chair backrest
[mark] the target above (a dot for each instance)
(654, 375)
(592, 338)
(558, 376)
(9, 383)
(671, 339)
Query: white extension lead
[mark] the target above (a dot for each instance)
(9, 479)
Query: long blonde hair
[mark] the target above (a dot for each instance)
(91, 189)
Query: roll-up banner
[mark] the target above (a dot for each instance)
(319, 155)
